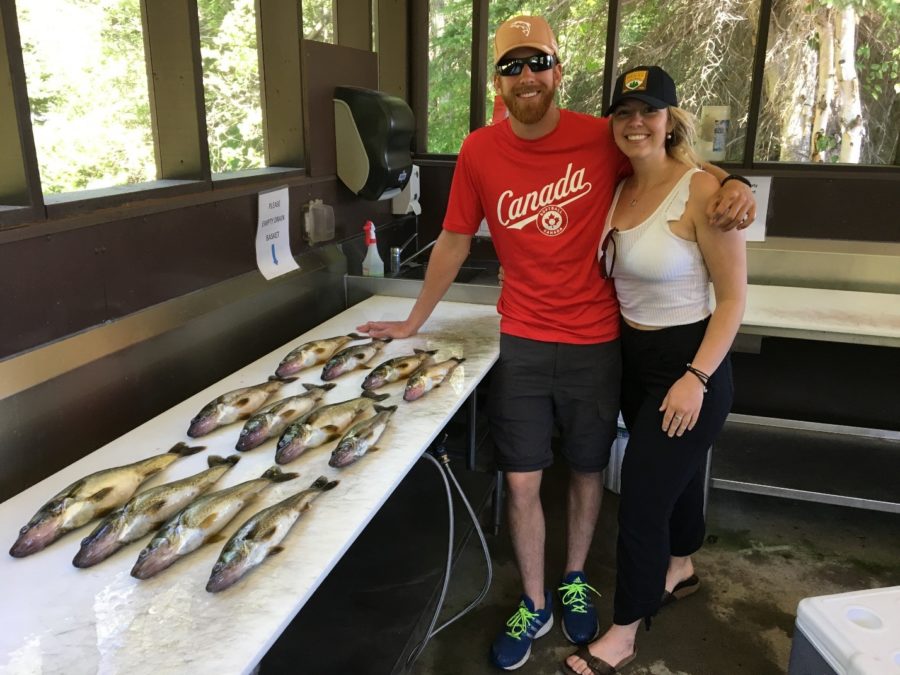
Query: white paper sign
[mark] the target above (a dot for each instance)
(273, 240)
(760, 185)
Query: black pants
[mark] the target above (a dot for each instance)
(661, 501)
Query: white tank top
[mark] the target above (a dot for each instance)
(661, 279)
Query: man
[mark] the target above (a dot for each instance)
(544, 179)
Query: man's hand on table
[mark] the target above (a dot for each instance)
(391, 329)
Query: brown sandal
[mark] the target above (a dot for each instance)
(682, 590)
(597, 665)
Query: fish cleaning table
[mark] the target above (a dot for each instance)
(55, 618)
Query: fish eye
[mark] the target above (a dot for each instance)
(144, 553)
(196, 419)
(245, 431)
(24, 529)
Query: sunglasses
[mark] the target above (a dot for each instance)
(536, 64)
(607, 256)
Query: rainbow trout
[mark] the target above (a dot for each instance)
(272, 420)
(200, 522)
(313, 353)
(261, 536)
(234, 405)
(361, 438)
(324, 424)
(93, 496)
(147, 511)
(352, 358)
(428, 377)
(398, 368)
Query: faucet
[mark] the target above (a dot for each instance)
(396, 264)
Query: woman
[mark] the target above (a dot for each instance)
(677, 390)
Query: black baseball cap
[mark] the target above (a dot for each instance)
(650, 84)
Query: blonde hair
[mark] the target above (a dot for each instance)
(681, 146)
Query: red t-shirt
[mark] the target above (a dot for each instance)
(545, 201)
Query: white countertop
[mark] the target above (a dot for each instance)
(823, 314)
(56, 618)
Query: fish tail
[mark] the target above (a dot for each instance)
(319, 483)
(326, 387)
(216, 460)
(354, 336)
(284, 380)
(182, 449)
(383, 408)
(375, 397)
(457, 359)
(330, 485)
(276, 475)
(382, 340)
(431, 352)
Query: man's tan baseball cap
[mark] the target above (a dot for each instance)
(524, 31)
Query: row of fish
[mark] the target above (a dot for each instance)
(183, 515)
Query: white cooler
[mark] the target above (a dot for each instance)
(854, 633)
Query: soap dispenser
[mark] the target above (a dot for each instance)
(372, 264)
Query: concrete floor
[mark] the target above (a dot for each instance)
(761, 557)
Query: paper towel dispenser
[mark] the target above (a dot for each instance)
(373, 136)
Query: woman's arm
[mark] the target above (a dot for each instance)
(724, 253)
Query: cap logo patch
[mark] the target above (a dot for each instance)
(636, 80)
(523, 26)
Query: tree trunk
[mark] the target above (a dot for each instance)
(852, 127)
(824, 86)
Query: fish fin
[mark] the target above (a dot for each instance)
(276, 475)
(274, 550)
(287, 412)
(320, 482)
(100, 495)
(215, 460)
(457, 359)
(354, 336)
(381, 408)
(331, 429)
(363, 366)
(156, 506)
(375, 397)
(208, 522)
(182, 449)
(212, 539)
(241, 402)
(374, 448)
(327, 387)
(265, 535)
(285, 380)
(330, 485)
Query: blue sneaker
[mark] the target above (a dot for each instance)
(512, 647)
(579, 624)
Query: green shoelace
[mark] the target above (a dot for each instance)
(574, 595)
(518, 622)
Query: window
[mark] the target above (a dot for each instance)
(318, 20)
(831, 85)
(231, 84)
(707, 47)
(87, 88)
(449, 73)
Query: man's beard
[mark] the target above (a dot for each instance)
(529, 111)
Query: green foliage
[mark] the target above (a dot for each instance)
(231, 84)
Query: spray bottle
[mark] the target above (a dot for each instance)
(372, 264)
